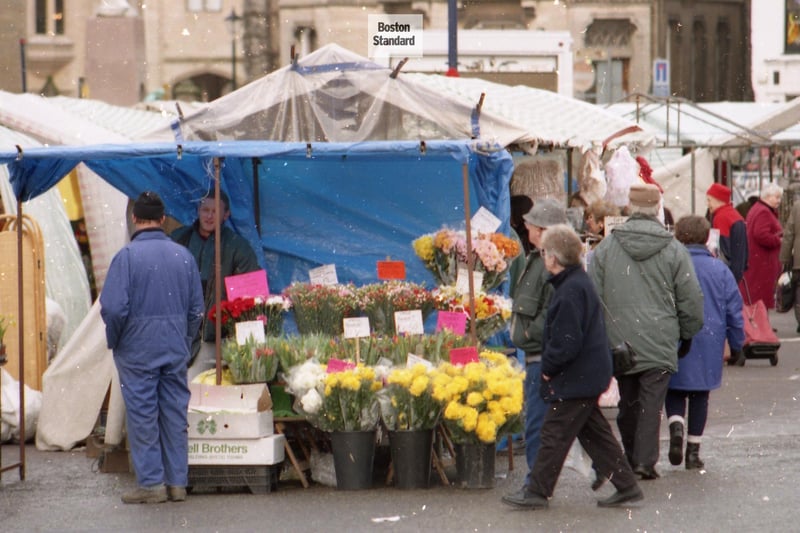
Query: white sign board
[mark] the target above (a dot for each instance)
(484, 221)
(462, 281)
(251, 328)
(409, 322)
(356, 327)
(324, 275)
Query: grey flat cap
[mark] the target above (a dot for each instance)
(545, 213)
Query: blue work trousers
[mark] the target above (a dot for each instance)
(156, 403)
(534, 414)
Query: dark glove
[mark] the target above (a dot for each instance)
(684, 347)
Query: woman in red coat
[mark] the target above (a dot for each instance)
(764, 234)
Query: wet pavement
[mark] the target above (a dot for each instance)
(751, 483)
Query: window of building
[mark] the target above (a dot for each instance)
(49, 17)
(199, 6)
(792, 27)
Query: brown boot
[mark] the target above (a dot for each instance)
(157, 494)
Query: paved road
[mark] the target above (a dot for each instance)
(751, 483)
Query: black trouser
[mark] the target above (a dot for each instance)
(563, 422)
(639, 418)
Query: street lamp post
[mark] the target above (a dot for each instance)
(232, 21)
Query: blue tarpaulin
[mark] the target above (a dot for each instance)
(349, 204)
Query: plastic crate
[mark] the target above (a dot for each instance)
(257, 479)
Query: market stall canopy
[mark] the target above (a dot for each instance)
(551, 118)
(303, 205)
(71, 121)
(334, 95)
(677, 122)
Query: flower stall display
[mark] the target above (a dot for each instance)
(251, 362)
(379, 302)
(321, 308)
(482, 399)
(268, 310)
(407, 401)
(349, 400)
(443, 252)
(492, 311)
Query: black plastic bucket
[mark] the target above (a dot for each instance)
(411, 457)
(353, 456)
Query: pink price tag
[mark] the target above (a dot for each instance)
(338, 365)
(462, 356)
(453, 320)
(248, 285)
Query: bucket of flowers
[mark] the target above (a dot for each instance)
(269, 310)
(321, 308)
(444, 251)
(379, 302)
(492, 311)
(410, 413)
(483, 400)
(344, 403)
(251, 362)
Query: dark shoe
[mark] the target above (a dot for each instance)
(693, 461)
(798, 329)
(737, 358)
(676, 443)
(157, 494)
(629, 495)
(525, 499)
(646, 472)
(599, 481)
(176, 494)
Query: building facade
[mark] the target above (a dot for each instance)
(121, 51)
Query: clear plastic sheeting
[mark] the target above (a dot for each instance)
(335, 95)
(65, 276)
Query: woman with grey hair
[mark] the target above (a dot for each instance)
(764, 234)
(576, 370)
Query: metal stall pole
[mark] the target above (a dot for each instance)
(21, 340)
(217, 272)
(470, 256)
(694, 179)
(256, 195)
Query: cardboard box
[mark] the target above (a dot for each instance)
(212, 424)
(253, 397)
(263, 451)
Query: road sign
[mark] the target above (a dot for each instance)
(660, 77)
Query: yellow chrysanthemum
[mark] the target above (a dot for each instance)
(469, 418)
(419, 385)
(423, 247)
(474, 399)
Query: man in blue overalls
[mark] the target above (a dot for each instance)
(152, 305)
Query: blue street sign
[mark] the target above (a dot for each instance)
(660, 77)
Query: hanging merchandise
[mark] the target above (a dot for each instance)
(622, 171)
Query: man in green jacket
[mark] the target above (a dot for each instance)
(654, 301)
(236, 257)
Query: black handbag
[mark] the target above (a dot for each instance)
(623, 355)
(624, 358)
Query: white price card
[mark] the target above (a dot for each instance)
(324, 275)
(415, 359)
(462, 280)
(408, 322)
(251, 328)
(484, 221)
(356, 327)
